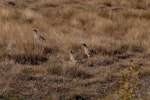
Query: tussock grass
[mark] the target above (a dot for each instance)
(76, 72)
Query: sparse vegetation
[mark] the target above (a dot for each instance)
(130, 83)
(116, 30)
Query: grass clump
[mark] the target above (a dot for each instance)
(107, 4)
(54, 70)
(77, 72)
(137, 48)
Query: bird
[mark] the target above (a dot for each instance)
(38, 37)
(72, 58)
(88, 52)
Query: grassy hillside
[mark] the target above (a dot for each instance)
(117, 30)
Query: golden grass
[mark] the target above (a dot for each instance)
(118, 30)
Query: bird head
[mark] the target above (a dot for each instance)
(71, 52)
(84, 44)
(35, 30)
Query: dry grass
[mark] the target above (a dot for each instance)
(118, 30)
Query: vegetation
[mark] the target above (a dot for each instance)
(117, 30)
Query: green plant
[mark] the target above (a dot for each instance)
(129, 83)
